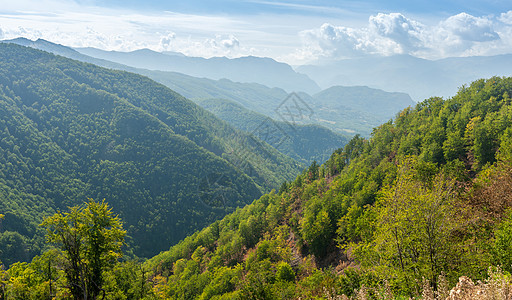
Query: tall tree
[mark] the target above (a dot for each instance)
(90, 238)
(414, 219)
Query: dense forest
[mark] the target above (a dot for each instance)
(425, 200)
(71, 130)
(426, 197)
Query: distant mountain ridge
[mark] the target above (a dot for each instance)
(346, 110)
(244, 69)
(363, 98)
(420, 78)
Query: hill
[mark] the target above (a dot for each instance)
(71, 130)
(248, 69)
(402, 214)
(304, 143)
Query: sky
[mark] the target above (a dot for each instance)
(297, 32)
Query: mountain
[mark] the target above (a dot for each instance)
(408, 211)
(304, 143)
(71, 130)
(248, 69)
(332, 108)
(364, 99)
(346, 110)
(420, 78)
(357, 109)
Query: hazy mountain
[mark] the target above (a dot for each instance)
(253, 96)
(244, 69)
(417, 77)
(347, 110)
(357, 108)
(71, 130)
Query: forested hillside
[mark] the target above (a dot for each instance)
(71, 130)
(404, 213)
(304, 143)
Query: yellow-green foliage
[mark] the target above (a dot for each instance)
(424, 198)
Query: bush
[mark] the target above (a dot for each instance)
(285, 272)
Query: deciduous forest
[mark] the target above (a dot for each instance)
(404, 213)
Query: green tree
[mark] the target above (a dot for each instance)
(414, 222)
(503, 240)
(90, 238)
(284, 272)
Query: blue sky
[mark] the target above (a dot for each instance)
(296, 32)
(434, 7)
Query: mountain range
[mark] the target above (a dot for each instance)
(418, 206)
(346, 110)
(248, 69)
(420, 78)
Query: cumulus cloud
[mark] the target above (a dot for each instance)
(1, 34)
(406, 34)
(506, 17)
(230, 43)
(470, 28)
(223, 43)
(394, 33)
(331, 40)
(165, 41)
(386, 34)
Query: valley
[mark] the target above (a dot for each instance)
(149, 174)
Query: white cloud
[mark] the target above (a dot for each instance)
(230, 42)
(506, 17)
(387, 34)
(166, 41)
(220, 45)
(329, 40)
(470, 28)
(406, 34)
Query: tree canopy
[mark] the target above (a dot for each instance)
(90, 238)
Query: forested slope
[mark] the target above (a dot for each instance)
(423, 201)
(71, 130)
(304, 143)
